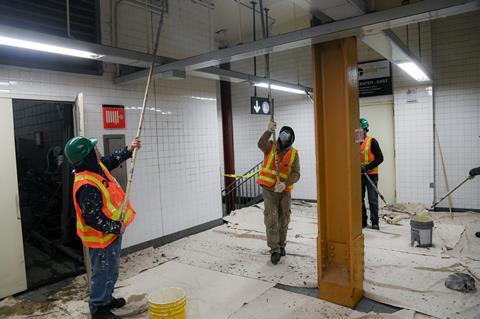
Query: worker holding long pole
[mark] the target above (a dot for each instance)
(103, 209)
(370, 156)
(98, 198)
(277, 184)
(280, 170)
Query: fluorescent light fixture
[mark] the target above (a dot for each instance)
(279, 88)
(414, 71)
(203, 98)
(30, 45)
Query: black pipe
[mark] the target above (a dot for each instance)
(262, 18)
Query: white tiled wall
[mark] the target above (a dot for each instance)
(456, 57)
(290, 109)
(177, 182)
(411, 119)
(414, 146)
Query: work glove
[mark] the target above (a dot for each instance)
(279, 187)
(272, 126)
(474, 171)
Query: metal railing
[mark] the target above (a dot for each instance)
(243, 192)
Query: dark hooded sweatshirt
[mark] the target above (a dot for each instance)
(89, 197)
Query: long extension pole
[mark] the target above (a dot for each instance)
(444, 170)
(267, 75)
(140, 123)
(451, 191)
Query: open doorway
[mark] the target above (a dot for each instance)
(52, 249)
(380, 116)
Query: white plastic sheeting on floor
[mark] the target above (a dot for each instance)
(240, 248)
(210, 294)
(414, 278)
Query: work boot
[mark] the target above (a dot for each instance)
(116, 303)
(275, 258)
(282, 251)
(375, 226)
(477, 234)
(104, 313)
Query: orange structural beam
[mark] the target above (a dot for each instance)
(340, 239)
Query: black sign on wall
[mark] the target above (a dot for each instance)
(374, 78)
(260, 106)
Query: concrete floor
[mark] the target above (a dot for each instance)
(227, 274)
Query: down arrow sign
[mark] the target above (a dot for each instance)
(256, 107)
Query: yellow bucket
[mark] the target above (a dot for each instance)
(168, 303)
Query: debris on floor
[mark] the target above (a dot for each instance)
(231, 263)
(460, 282)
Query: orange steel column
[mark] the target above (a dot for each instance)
(340, 239)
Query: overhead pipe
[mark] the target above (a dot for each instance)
(67, 9)
(356, 26)
(253, 8)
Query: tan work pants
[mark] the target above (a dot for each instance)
(276, 216)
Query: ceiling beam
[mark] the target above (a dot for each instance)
(134, 58)
(238, 77)
(356, 26)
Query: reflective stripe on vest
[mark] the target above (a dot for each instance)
(268, 176)
(112, 196)
(366, 154)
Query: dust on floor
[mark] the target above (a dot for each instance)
(396, 273)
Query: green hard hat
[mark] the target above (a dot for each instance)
(78, 148)
(363, 124)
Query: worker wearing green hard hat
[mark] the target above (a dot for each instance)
(99, 202)
(371, 157)
(364, 124)
(78, 148)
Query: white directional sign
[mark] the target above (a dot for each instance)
(260, 106)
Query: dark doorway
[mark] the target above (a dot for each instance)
(52, 249)
(111, 143)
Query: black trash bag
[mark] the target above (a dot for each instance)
(460, 282)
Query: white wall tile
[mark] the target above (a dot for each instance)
(177, 179)
(457, 99)
(290, 109)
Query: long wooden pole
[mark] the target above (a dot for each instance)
(141, 121)
(444, 170)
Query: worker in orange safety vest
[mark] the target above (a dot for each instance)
(98, 200)
(278, 186)
(370, 157)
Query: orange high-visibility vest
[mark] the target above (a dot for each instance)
(112, 196)
(366, 154)
(268, 176)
